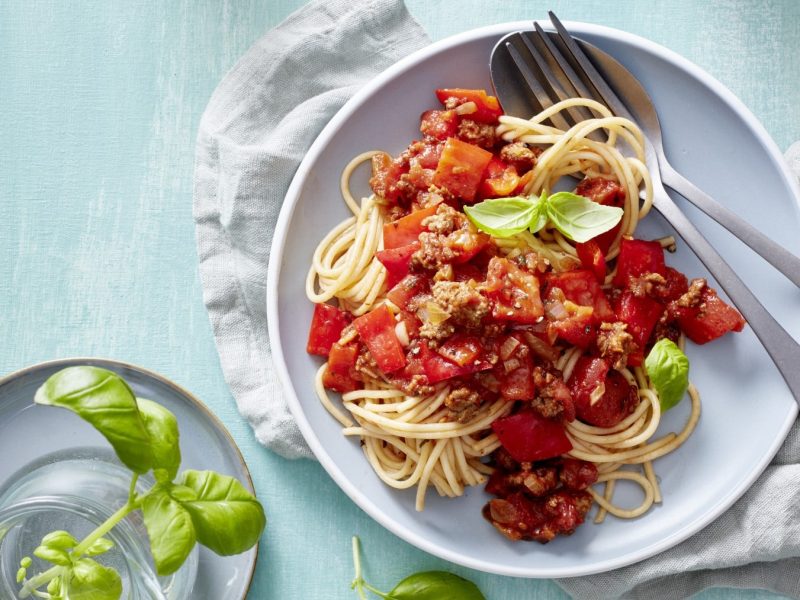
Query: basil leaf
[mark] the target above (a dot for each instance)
(162, 427)
(502, 217)
(170, 529)
(540, 217)
(53, 555)
(92, 581)
(668, 369)
(228, 519)
(435, 585)
(579, 218)
(62, 540)
(99, 547)
(104, 400)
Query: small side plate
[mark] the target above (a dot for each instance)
(28, 432)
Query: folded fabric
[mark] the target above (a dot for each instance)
(258, 125)
(256, 129)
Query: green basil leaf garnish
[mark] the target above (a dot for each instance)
(227, 518)
(579, 218)
(103, 399)
(170, 529)
(668, 369)
(92, 581)
(502, 217)
(162, 427)
(435, 585)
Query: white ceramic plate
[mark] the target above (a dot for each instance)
(205, 444)
(747, 410)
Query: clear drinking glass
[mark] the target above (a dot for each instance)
(76, 491)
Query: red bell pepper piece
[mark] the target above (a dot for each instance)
(462, 349)
(530, 437)
(488, 106)
(712, 318)
(409, 287)
(406, 230)
(437, 368)
(397, 262)
(439, 124)
(514, 293)
(376, 330)
(637, 258)
(326, 328)
(460, 168)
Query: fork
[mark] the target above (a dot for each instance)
(551, 77)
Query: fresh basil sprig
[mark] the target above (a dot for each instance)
(179, 510)
(576, 217)
(426, 585)
(668, 368)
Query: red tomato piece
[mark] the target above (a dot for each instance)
(530, 437)
(397, 262)
(406, 230)
(637, 258)
(501, 180)
(514, 293)
(677, 285)
(386, 175)
(581, 287)
(592, 259)
(339, 375)
(607, 193)
(618, 397)
(437, 368)
(409, 287)
(460, 168)
(488, 106)
(326, 328)
(439, 124)
(462, 349)
(518, 384)
(640, 314)
(337, 382)
(712, 318)
(579, 328)
(376, 330)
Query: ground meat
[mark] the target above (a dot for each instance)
(417, 385)
(365, 363)
(463, 403)
(615, 343)
(436, 332)
(444, 274)
(444, 240)
(480, 134)
(445, 221)
(693, 297)
(520, 156)
(649, 284)
(432, 197)
(462, 301)
(553, 398)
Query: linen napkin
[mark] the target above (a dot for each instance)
(253, 134)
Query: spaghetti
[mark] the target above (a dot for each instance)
(424, 432)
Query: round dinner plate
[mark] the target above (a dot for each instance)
(29, 432)
(747, 409)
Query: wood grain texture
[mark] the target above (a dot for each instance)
(100, 104)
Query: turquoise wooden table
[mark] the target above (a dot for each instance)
(99, 105)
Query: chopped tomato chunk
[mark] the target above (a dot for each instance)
(462, 349)
(640, 314)
(602, 397)
(326, 328)
(397, 262)
(405, 230)
(340, 375)
(409, 287)
(437, 368)
(581, 287)
(578, 328)
(501, 180)
(712, 318)
(592, 259)
(439, 124)
(376, 330)
(637, 258)
(514, 292)
(488, 106)
(386, 175)
(460, 168)
(529, 437)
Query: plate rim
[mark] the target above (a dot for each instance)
(276, 257)
(180, 390)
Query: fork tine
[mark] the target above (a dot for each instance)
(591, 75)
(531, 79)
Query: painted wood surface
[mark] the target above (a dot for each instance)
(99, 104)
